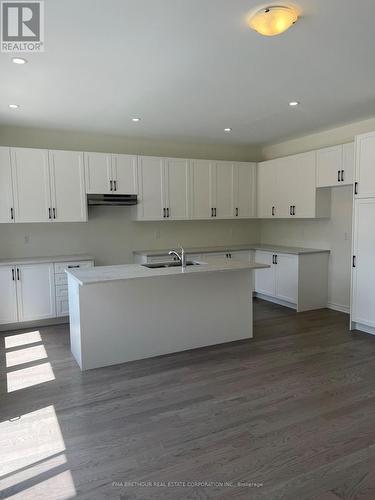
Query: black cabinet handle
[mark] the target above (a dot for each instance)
(49, 214)
(273, 211)
(338, 175)
(167, 211)
(111, 185)
(275, 259)
(342, 175)
(114, 185)
(237, 212)
(214, 212)
(356, 188)
(12, 214)
(18, 274)
(164, 213)
(354, 261)
(294, 210)
(13, 274)
(74, 267)
(54, 213)
(290, 210)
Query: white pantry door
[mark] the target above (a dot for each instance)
(6, 188)
(68, 186)
(31, 185)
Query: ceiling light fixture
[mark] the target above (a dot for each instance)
(136, 119)
(273, 20)
(14, 106)
(19, 60)
(293, 104)
(227, 130)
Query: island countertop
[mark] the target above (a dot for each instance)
(103, 274)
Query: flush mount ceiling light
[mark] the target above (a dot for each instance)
(19, 60)
(227, 130)
(136, 119)
(273, 20)
(14, 106)
(293, 103)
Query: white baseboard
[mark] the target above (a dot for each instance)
(338, 307)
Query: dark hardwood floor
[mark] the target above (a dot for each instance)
(288, 415)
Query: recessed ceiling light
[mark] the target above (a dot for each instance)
(293, 103)
(273, 20)
(14, 106)
(136, 119)
(227, 130)
(19, 60)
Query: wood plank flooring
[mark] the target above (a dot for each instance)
(288, 415)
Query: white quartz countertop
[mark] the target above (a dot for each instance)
(41, 260)
(238, 248)
(103, 274)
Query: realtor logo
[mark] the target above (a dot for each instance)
(22, 26)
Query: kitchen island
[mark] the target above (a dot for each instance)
(129, 312)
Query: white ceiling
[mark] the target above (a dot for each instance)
(189, 68)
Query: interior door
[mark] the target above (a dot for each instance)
(6, 188)
(244, 177)
(201, 198)
(31, 185)
(286, 283)
(68, 186)
(265, 278)
(329, 163)
(365, 161)
(8, 302)
(150, 184)
(124, 172)
(177, 188)
(363, 274)
(98, 173)
(35, 291)
(222, 190)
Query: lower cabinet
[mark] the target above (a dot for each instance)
(297, 281)
(31, 292)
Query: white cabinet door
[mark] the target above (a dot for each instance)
(348, 161)
(6, 188)
(267, 189)
(124, 172)
(222, 190)
(365, 165)
(286, 276)
(8, 302)
(31, 185)
(301, 179)
(201, 203)
(98, 173)
(244, 182)
(329, 166)
(67, 186)
(176, 188)
(35, 291)
(265, 278)
(363, 274)
(151, 204)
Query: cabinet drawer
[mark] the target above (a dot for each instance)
(61, 266)
(61, 291)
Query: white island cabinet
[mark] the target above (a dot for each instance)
(124, 313)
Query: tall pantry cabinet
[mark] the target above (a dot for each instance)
(363, 258)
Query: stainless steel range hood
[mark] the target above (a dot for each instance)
(112, 199)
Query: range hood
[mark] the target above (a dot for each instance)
(112, 199)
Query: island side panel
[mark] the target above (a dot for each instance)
(74, 320)
(126, 320)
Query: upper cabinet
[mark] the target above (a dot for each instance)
(68, 198)
(335, 165)
(31, 185)
(6, 188)
(221, 186)
(244, 190)
(176, 188)
(110, 173)
(201, 203)
(287, 188)
(365, 166)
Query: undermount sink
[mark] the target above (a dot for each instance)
(159, 265)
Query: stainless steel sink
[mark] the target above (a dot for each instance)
(159, 265)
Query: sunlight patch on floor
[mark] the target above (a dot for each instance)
(22, 339)
(26, 355)
(27, 377)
